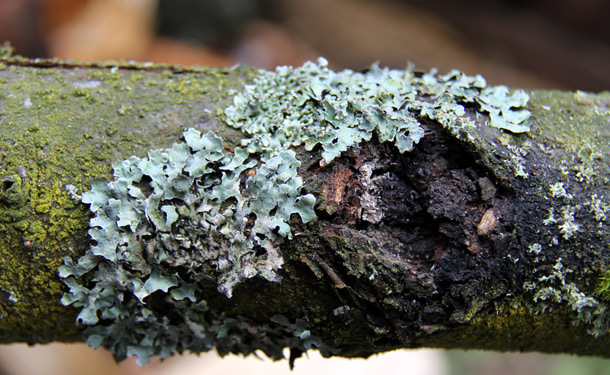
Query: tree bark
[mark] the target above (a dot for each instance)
(478, 241)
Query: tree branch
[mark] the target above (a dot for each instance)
(477, 238)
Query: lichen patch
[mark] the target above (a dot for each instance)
(170, 221)
(198, 213)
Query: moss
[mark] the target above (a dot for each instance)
(603, 287)
(45, 149)
(512, 325)
(570, 126)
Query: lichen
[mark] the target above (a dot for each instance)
(568, 227)
(554, 289)
(194, 213)
(557, 190)
(599, 208)
(313, 105)
(166, 223)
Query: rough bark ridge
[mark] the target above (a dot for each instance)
(483, 240)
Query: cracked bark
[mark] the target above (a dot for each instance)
(428, 248)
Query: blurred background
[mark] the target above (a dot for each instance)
(535, 44)
(522, 43)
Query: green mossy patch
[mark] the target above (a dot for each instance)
(60, 127)
(573, 127)
(512, 325)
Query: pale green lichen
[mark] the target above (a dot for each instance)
(534, 248)
(568, 226)
(599, 208)
(187, 205)
(169, 221)
(194, 213)
(551, 218)
(558, 190)
(313, 105)
(554, 289)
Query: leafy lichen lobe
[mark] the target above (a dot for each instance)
(196, 210)
(194, 213)
(59, 127)
(313, 105)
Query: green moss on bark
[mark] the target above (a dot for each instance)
(66, 126)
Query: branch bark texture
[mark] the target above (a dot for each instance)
(476, 239)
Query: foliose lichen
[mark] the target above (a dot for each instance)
(599, 208)
(191, 209)
(554, 289)
(195, 213)
(313, 105)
